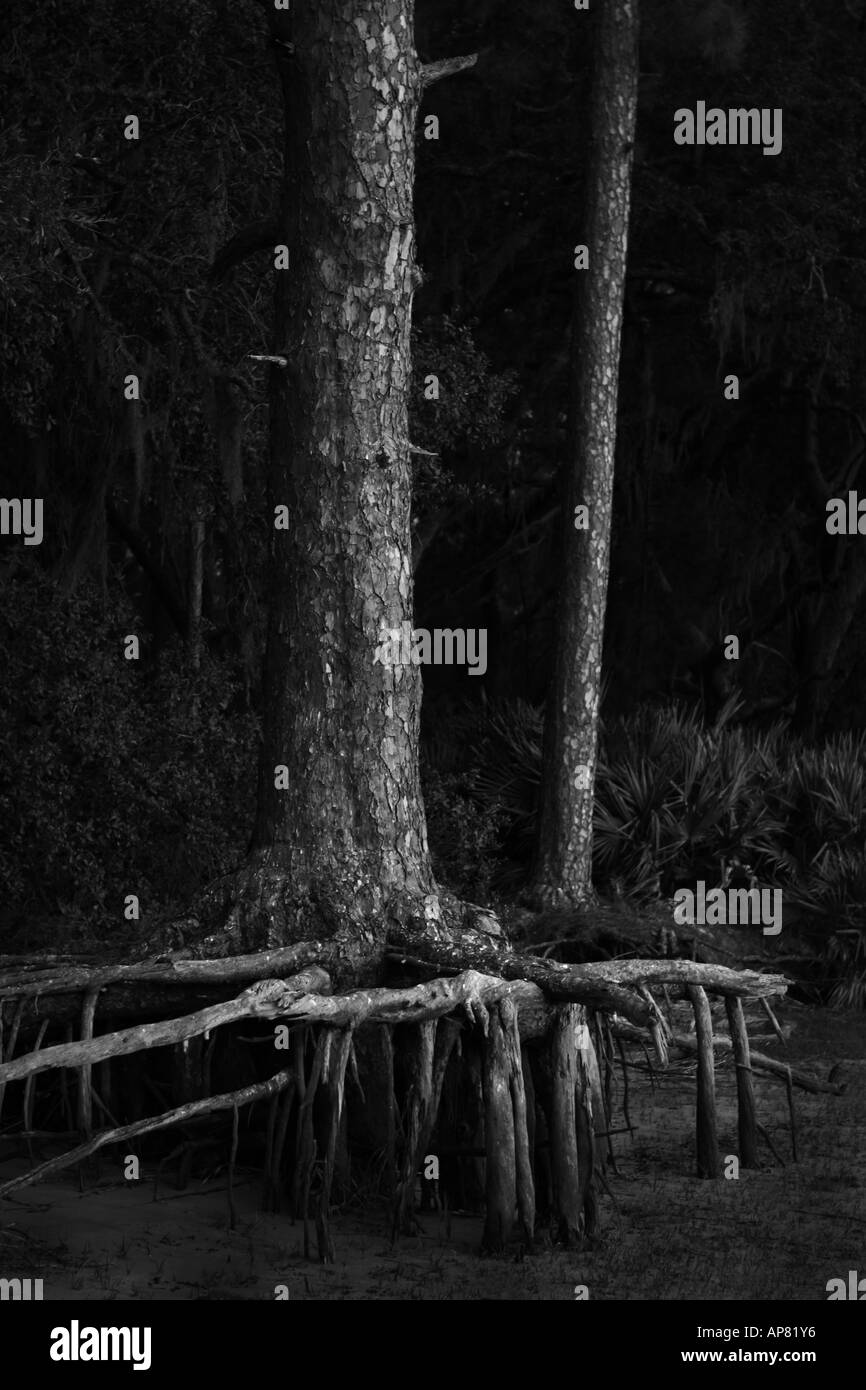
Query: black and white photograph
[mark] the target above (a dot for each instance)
(433, 680)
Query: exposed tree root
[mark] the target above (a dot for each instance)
(568, 1191)
(418, 1118)
(258, 1001)
(244, 1096)
(23, 981)
(303, 998)
(746, 1125)
(538, 1068)
(757, 1060)
(515, 1061)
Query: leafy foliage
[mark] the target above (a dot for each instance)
(463, 836)
(833, 894)
(468, 415)
(678, 801)
(118, 776)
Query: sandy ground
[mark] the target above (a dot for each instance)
(776, 1234)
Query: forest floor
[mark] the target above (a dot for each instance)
(780, 1233)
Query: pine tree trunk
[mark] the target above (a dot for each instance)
(347, 833)
(564, 859)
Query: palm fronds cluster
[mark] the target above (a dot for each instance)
(678, 800)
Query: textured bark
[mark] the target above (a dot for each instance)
(586, 1089)
(341, 1045)
(501, 1169)
(417, 1118)
(524, 1123)
(747, 1129)
(564, 859)
(568, 1196)
(609, 985)
(328, 851)
(705, 1121)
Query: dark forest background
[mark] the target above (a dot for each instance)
(123, 256)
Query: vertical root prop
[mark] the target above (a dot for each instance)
(418, 1119)
(531, 1113)
(746, 1126)
(335, 1076)
(85, 1100)
(371, 1105)
(501, 1193)
(30, 1091)
(589, 1110)
(523, 1110)
(279, 1113)
(305, 1151)
(428, 1056)
(707, 1139)
(572, 1136)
